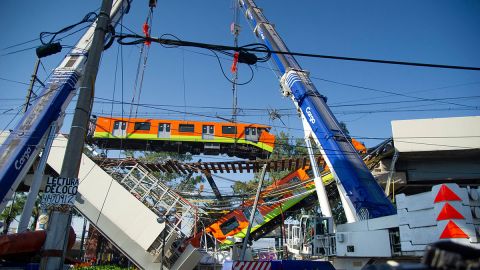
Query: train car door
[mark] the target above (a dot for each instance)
(119, 129)
(207, 132)
(251, 134)
(164, 130)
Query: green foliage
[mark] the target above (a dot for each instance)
(246, 188)
(344, 128)
(11, 211)
(149, 156)
(288, 147)
(285, 147)
(173, 180)
(189, 184)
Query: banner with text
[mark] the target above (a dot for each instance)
(60, 190)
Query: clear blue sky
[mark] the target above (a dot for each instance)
(441, 32)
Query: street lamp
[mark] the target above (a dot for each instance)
(169, 217)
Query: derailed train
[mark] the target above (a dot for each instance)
(234, 139)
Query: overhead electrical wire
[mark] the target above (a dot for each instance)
(19, 44)
(368, 88)
(223, 117)
(13, 81)
(156, 107)
(358, 86)
(110, 101)
(89, 18)
(250, 58)
(394, 93)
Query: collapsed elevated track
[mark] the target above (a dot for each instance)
(240, 166)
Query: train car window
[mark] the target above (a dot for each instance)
(229, 129)
(300, 188)
(207, 129)
(247, 131)
(142, 126)
(163, 127)
(186, 128)
(229, 225)
(257, 219)
(116, 125)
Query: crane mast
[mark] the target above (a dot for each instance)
(359, 190)
(24, 143)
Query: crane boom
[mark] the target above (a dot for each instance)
(26, 140)
(363, 194)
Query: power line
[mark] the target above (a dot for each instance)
(366, 88)
(358, 86)
(112, 101)
(393, 93)
(158, 106)
(368, 60)
(19, 44)
(414, 91)
(137, 39)
(13, 81)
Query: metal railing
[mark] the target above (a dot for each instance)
(147, 187)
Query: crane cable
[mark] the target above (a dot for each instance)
(144, 51)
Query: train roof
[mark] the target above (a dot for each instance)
(179, 120)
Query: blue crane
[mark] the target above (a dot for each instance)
(26, 140)
(363, 194)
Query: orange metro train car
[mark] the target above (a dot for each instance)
(282, 196)
(234, 139)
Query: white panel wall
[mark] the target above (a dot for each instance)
(129, 224)
(365, 244)
(437, 134)
(111, 200)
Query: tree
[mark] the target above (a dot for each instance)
(173, 180)
(246, 188)
(13, 210)
(344, 128)
(288, 147)
(285, 147)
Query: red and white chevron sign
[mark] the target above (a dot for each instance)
(252, 266)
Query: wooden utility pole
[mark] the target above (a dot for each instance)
(53, 254)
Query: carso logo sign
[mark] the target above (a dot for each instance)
(310, 115)
(26, 155)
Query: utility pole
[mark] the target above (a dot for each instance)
(252, 214)
(30, 87)
(53, 254)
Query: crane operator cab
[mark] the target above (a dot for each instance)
(316, 235)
